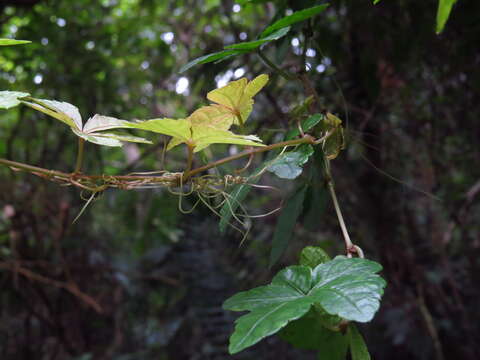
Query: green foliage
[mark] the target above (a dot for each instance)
(347, 287)
(9, 99)
(288, 165)
(312, 256)
(443, 13)
(8, 42)
(296, 17)
(358, 348)
(286, 224)
(274, 32)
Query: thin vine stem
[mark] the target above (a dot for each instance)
(81, 147)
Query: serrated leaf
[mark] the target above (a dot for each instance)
(306, 124)
(289, 164)
(210, 58)
(265, 321)
(443, 13)
(9, 99)
(358, 348)
(237, 97)
(294, 18)
(8, 42)
(254, 44)
(349, 288)
(286, 224)
(312, 256)
(340, 286)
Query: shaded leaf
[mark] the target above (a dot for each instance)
(312, 256)
(265, 321)
(210, 58)
(336, 142)
(289, 164)
(286, 224)
(308, 333)
(349, 288)
(352, 283)
(9, 99)
(306, 124)
(294, 18)
(443, 13)
(358, 348)
(8, 42)
(254, 44)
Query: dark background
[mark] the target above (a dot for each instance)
(408, 181)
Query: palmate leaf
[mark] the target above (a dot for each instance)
(67, 113)
(346, 287)
(236, 98)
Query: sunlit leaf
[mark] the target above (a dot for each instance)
(7, 42)
(376, 2)
(210, 58)
(294, 18)
(443, 13)
(289, 164)
(286, 224)
(59, 110)
(358, 348)
(237, 97)
(9, 99)
(254, 44)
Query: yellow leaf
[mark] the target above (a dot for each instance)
(236, 98)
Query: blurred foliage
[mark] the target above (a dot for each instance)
(408, 180)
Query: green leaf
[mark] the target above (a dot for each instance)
(376, 2)
(308, 333)
(306, 124)
(252, 45)
(294, 18)
(335, 347)
(289, 164)
(9, 99)
(286, 224)
(349, 288)
(443, 13)
(336, 142)
(210, 58)
(358, 348)
(312, 256)
(340, 286)
(59, 110)
(8, 42)
(265, 321)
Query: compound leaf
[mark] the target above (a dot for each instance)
(237, 97)
(9, 99)
(294, 18)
